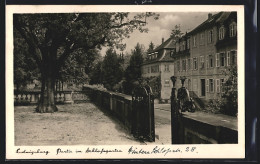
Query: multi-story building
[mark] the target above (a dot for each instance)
(202, 56)
(160, 64)
(212, 49)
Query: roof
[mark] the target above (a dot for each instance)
(163, 52)
(212, 21)
(168, 44)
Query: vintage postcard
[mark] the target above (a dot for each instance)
(125, 82)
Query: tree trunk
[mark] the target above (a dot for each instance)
(47, 99)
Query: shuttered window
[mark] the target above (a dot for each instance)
(207, 85)
(217, 85)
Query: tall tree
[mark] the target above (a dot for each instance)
(176, 32)
(52, 38)
(151, 47)
(133, 71)
(111, 69)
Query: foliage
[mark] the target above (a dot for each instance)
(155, 83)
(229, 97)
(133, 71)
(176, 32)
(96, 76)
(25, 68)
(151, 47)
(228, 104)
(112, 72)
(53, 37)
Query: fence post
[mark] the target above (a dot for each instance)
(175, 115)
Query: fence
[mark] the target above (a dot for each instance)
(61, 97)
(119, 104)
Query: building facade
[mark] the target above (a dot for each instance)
(212, 48)
(203, 55)
(160, 64)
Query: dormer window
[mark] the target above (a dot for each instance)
(156, 55)
(221, 33)
(232, 29)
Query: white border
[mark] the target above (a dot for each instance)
(203, 151)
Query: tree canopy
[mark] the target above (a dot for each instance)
(133, 71)
(52, 38)
(112, 71)
(176, 32)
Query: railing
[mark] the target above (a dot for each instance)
(61, 97)
(120, 105)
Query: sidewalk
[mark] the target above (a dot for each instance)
(78, 124)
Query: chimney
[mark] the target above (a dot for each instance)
(162, 40)
(209, 15)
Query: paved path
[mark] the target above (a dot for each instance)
(78, 124)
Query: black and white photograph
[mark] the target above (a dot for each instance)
(125, 82)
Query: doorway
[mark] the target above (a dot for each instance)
(203, 93)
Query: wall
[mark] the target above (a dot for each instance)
(193, 131)
(61, 97)
(203, 132)
(166, 76)
(120, 105)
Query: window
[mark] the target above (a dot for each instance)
(221, 33)
(178, 65)
(188, 44)
(217, 85)
(222, 81)
(211, 61)
(194, 41)
(233, 57)
(207, 61)
(207, 85)
(201, 39)
(195, 63)
(155, 69)
(228, 58)
(189, 64)
(233, 30)
(217, 59)
(183, 45)
(184, 65)
(166, 68)
(148, 69)
(211, 85)
(222, 59)
(201, 61)
(210, 36)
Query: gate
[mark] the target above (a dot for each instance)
(180, 102)
(143, 113)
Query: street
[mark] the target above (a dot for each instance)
(162, 124)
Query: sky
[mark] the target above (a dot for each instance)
(162, 28)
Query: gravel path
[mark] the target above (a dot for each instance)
(78, 124)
